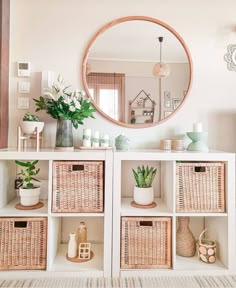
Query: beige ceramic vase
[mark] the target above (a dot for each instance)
(185, 241)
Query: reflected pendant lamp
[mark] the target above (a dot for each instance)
(161, 69)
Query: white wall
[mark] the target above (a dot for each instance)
(53, 34)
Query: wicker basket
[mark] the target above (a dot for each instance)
(23, 243)
(146, 242)
(200, 187)
(77, 186)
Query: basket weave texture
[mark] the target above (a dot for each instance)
(146, 242)
(23, 243)
(77, 186)
(200, 187)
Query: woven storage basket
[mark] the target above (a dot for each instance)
(200, 187)
(23, 243)
(146, 242)
(77, 186)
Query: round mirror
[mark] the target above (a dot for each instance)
(137, 71)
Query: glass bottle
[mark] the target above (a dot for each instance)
(82, 233)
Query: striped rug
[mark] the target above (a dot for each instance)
(134, 282)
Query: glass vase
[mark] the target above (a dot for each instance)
(64, 135)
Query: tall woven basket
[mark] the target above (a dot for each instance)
(23, 243)
(145, 242)
(200, 187)
(77, 186)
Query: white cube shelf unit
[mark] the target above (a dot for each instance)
(221, 225)
(99, 225)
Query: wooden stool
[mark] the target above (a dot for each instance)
(21, 136)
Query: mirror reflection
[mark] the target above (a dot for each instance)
(137, 71)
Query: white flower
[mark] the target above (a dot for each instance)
(72, 108)
(77, 105)
(48, 94)
(67, 100)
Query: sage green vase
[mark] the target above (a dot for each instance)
(64, 135)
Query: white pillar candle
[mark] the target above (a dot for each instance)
(87, 137)
(95, 140)
(197, 127)
(105, 141)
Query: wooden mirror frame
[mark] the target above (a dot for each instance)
(118, 21)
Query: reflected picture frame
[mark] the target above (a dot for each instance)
(176, 102)
(167, 113)
(167, 104)
(167, 95)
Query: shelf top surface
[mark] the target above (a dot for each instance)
(155, 154)
(51, 154)
(158, 154)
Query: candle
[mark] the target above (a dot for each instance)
(105, 141)
(95, 140)
(87, 137)
(197, 127)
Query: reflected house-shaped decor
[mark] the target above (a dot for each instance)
(141, 108)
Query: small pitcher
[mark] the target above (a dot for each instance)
(206, 249)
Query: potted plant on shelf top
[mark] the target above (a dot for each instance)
(30, 123)
(29, 193)
(68, 107)
(143, 191)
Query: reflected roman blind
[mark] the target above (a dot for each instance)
(107, 90)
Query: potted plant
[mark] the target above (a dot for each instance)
(68, 107)
(29, 193)
(143, 191)
(30, 123)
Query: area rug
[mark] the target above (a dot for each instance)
(134, 282)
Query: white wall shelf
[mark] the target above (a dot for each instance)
(221, 226)
(99, 225)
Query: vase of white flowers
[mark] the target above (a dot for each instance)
(69, 108)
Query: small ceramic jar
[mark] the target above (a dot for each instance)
(122, 143)
(165, 144)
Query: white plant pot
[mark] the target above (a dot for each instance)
(29, 197)
(29, 127)
(143, 196)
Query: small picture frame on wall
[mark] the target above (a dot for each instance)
(167, 113)
(167, 104)
(176, 103)
(167, 95)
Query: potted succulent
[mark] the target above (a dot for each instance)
(143, 191)
(29, 193)
(30, 123)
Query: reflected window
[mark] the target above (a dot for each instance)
(107, 90)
